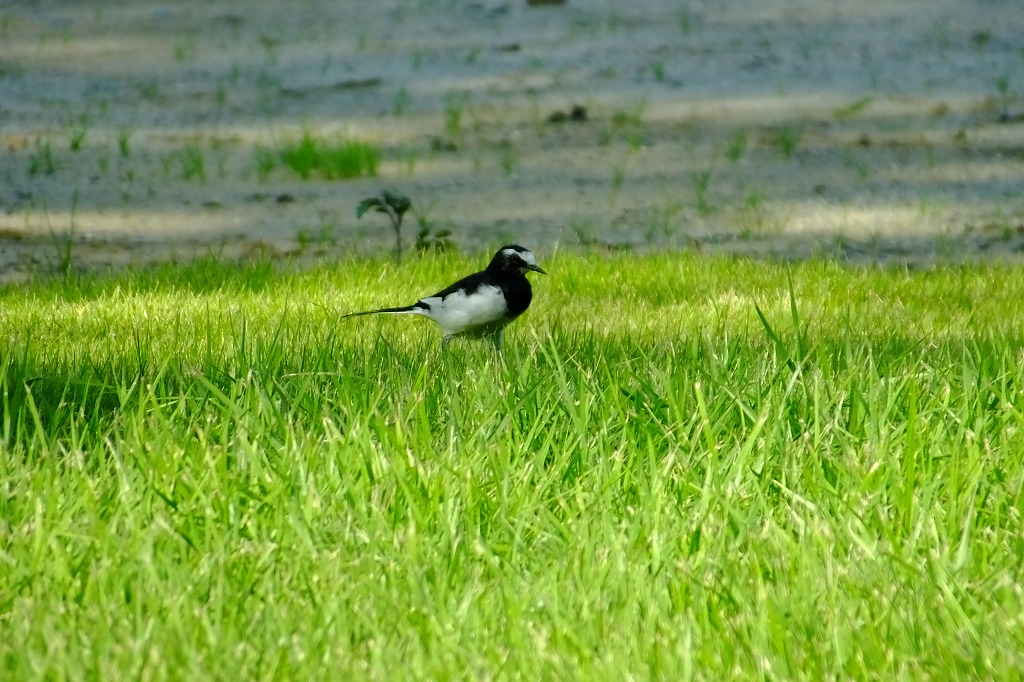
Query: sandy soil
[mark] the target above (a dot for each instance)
(866, 130)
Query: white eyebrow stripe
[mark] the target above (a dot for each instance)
(527, 256)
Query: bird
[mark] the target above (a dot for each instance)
(478, 305)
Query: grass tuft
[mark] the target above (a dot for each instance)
(41, 160)
(346, 159)
(680, 467)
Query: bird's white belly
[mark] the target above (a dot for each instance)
(458, 312)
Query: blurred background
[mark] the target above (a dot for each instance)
(864, 130)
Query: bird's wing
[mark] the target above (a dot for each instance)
(468, 285)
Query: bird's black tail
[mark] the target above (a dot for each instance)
(404, 309)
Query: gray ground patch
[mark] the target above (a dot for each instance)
(862, 130)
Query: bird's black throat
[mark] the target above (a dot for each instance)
(517, 290)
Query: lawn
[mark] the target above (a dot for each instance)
(680, 468)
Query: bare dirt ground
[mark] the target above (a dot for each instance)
(865, 130)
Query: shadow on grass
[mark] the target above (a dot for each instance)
(287, 381)
(276, 379)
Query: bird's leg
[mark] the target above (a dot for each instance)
(445, 340)
(498, 338)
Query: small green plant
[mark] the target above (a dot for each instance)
(350, 159)
(193, 163)
(737, 145)
(410, 158)
(346, 159)
(434, 241)
(618, 177)
(1006, 231)
(627, 124)
(321, 235)
(400, 102)
(632, 117)
(431, 237)
(452, 120)
(220, 95)
(184, 48)
(661, 220)
(508, 156)
(685, 21)
(78, 128)
(266, 161)
(619, 174)
(270, 45)
(124, 142)
(927, 207)
(753, 200)
(851, 110)
(701, 185)
(658, 69)
(753, 219)
(454, 106)
(947, 246)
(1003, 84)
(939, 34)
(787, 139)
(41, 160)
(149, 91)
(393, 204)
(583, 228)
(64, 242)
(858, 162)
(302, 157)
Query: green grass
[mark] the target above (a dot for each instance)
(124, 142)
(41, 160)
(192, 163)
(681, 468)
(345, 159)
(77, 128)
(737, 145)
(454, 107)
(628, 125)
(787, 139)
(266, 160)
(853, 109)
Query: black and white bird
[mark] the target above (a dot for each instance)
(481, 304)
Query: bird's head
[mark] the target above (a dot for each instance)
(515, 259)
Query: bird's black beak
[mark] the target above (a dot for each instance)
(536, 268)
